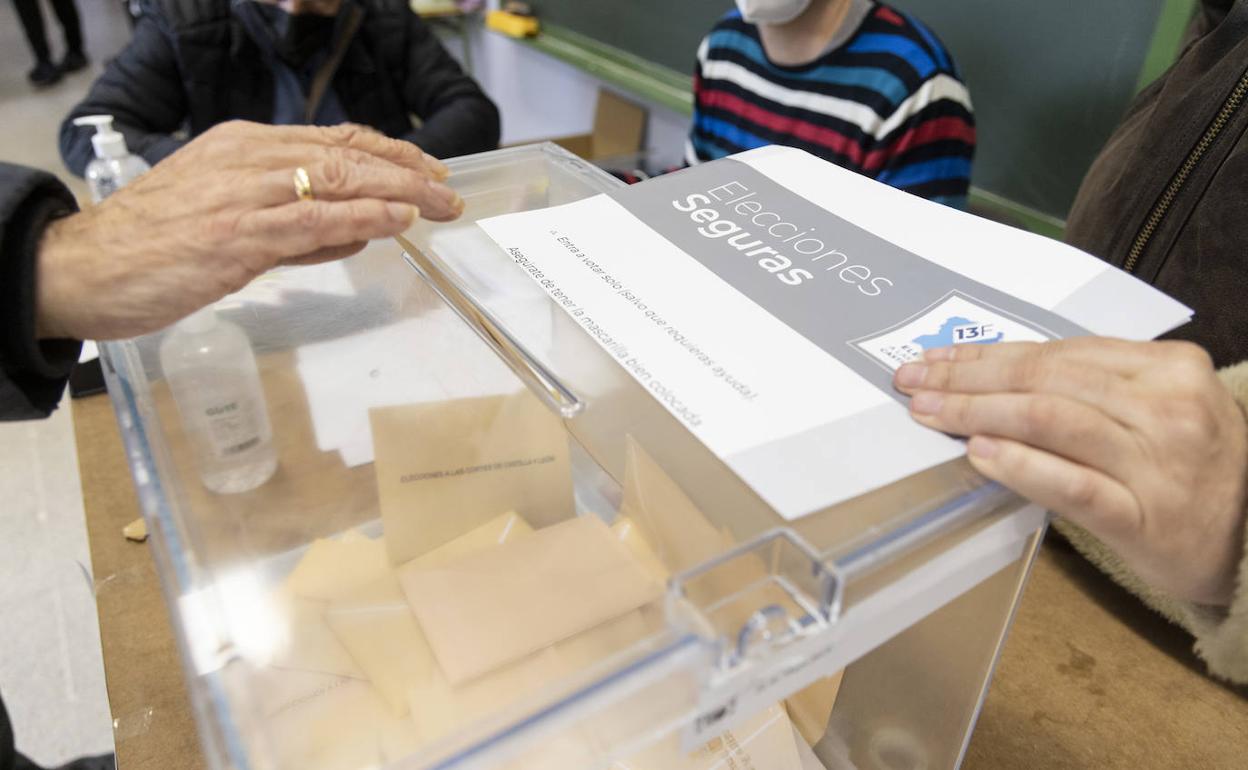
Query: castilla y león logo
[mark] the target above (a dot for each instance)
(958, 330)
(955, 320)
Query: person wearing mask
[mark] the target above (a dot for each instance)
(1141, 448)
(215, 214)
(46, 72)
(855, 82)
(195, 63)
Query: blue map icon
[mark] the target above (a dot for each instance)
(966, 331)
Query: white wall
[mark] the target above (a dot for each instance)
(540, 96)
(665, 138)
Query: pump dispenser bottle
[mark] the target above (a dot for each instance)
(210, 367)
(114, 167)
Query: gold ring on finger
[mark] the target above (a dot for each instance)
(303, 184)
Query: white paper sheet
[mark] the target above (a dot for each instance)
(779, 362)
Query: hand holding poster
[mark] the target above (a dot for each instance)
(766, 299)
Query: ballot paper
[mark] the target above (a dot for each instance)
(489, 609)
(439, 708)
(379, 633)
(766, 299)
(358, 683)
(345, 377)
(811, 708)
(679, 534)
(325, 722)
(496, 531)
(628, 533)
(376, 626)
(330, 570)
(447, 467)
(308, 644)
(428, 358)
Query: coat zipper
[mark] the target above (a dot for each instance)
(1166, 200)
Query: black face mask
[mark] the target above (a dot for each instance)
(306, 33)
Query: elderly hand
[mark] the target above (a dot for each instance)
(221, 211)
(1137, 442)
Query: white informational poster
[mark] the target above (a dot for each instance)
(766, 300)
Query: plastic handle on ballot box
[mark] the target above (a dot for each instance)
(813, 585)
(536, 376)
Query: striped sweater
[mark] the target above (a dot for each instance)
(884, 100)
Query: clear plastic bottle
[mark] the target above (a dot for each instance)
(212, 372)
(114, 167)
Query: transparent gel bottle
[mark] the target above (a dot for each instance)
(113, 167)
(211, 370)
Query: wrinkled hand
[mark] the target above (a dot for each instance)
(221, 211)
(1139, 443)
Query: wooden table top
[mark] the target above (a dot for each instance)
(1089, 677)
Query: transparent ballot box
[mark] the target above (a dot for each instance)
(436, 525)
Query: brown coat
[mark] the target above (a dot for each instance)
(1168, 200)
(1221, 633)
(1168, 197)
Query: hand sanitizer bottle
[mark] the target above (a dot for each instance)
(212, 373)
(114, 167)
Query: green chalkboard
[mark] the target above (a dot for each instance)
(1049, 80)
(666, 32)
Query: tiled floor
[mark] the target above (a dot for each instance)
(50, 669)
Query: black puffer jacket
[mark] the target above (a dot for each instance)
(192, 65)
(32, 373)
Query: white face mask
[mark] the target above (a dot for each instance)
(771, 11)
